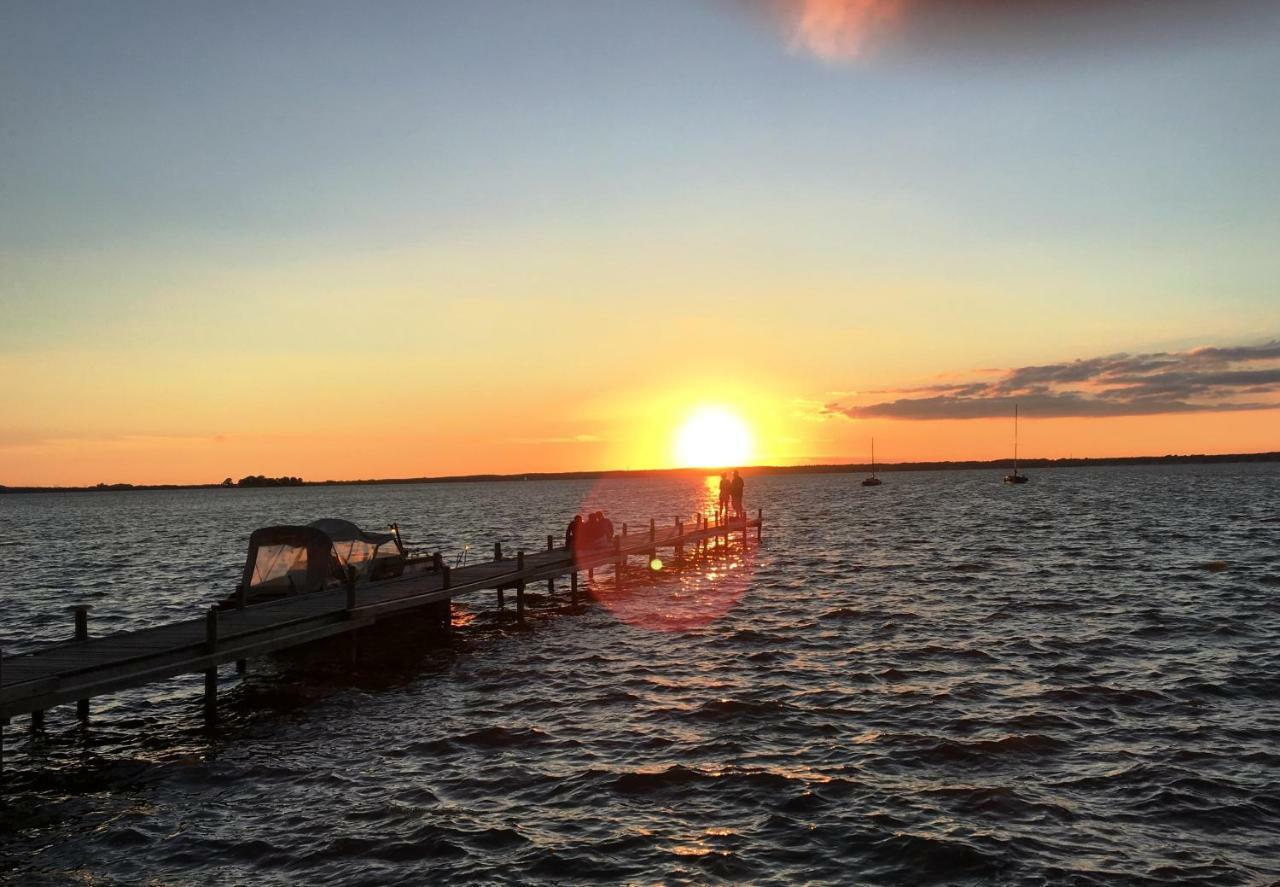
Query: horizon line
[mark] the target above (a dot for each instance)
(599, 474)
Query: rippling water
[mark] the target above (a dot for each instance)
(939, 680)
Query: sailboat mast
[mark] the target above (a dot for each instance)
(1015, 439)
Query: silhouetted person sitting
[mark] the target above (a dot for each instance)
(571, 532)
(736, 491)
(596, 531)
(590, 531)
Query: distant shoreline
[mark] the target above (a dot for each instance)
(757, 470)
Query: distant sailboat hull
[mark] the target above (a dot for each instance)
(872, 481)
(1016, 479)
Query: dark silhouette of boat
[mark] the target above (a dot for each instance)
(1015, 478)
(872, 481)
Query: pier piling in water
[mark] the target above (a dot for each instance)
(211, 673)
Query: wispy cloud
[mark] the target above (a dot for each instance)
(28, 439)
(1245, 377)
(568, 439)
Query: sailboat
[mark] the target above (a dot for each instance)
(1015, 478)
(872, 481)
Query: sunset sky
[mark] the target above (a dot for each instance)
(401, 239)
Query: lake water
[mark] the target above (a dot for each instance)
(942, 679)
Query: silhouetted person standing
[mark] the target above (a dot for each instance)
(724, 495)
(735, 491)
(571, 532)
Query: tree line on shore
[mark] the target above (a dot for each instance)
(259, 480)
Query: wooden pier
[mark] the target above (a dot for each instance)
(86, 666)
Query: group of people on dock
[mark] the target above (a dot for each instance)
(596, 530)
(731, 491)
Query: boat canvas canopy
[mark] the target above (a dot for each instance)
(286, 560)
(289, 559)
(354, 547)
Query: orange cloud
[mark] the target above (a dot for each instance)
(835, 30)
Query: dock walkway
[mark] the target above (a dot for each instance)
(84, 667)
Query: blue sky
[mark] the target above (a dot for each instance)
(212, 173)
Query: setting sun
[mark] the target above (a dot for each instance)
(713, 437)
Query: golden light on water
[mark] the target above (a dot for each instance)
(713, 437)
(655, 565)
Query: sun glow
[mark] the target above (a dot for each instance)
(713, 437)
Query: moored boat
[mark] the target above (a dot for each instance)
(289, 560)
(872, 481)
(1015, 478)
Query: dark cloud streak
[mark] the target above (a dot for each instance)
(1202, 380)
(843, 29)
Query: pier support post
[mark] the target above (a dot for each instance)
(437, 562)
(551, 542)
(679, 538)
(242, 596)
(624, 530)
(242, 666)
(211, 674)
(759, 523)
(446, 582)
(81, 612)
(618, 562)
(497, 551)
(520, 587)
(37, 721)
(573, 588)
